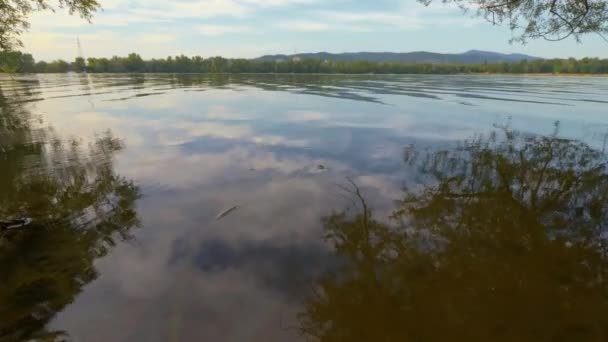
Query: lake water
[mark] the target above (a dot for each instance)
(233, 208)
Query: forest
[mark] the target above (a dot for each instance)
(19, 62)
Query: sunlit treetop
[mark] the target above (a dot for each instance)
(15, 14)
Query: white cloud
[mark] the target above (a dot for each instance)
(305, 115)
(190, 9)
(126, 12)
(409, 16)
(403, 21)
(52, 45)
(162, 284)
(220, 30)
(225, 113)
(277, 140)
(125, 19)
(111, 4)
(197, 9)
(183, 132)
(184, 21)
(279, 2)
(304, 26)
(48, 20)
(156, 37)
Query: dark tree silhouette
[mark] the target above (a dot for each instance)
(13, 61)
(504, 243)
(77, 207)
(547, 19)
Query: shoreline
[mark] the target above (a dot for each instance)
(315, 74)
(538, 74)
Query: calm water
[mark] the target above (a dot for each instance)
(274, 208)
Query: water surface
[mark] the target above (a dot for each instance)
(272, 208)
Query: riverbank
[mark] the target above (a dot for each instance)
(317, 74)
(134, 63)
(538, 74)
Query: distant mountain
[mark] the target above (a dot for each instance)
(469, 57)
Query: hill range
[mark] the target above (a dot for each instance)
(469, 57)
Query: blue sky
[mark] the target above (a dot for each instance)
(250, 28)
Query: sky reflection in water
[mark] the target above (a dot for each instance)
(281, 148)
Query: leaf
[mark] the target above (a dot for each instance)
(226, 213)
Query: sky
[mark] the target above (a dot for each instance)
(251, 28)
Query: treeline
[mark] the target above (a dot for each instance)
(18, 62)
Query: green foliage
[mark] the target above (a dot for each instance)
(79, 64)
(133, 63)
(182, 64)
(58, 66)
(506, 242)
(15, 61)
(14, 16)
(548, 19)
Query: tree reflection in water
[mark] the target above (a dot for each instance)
(504, 243)
(78, 208)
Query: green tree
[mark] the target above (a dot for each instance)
(41, 67)
(218, 64)
(79, 64)
(19, 62)
(134, 63)
(16, 61)
(58, 66)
